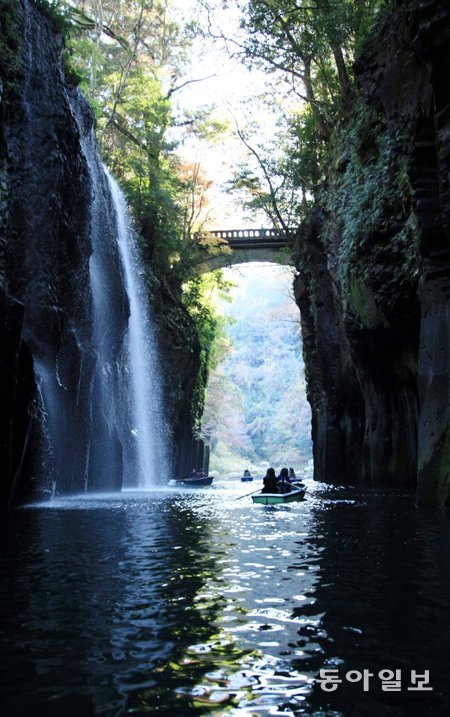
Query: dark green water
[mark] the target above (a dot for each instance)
(195, 603)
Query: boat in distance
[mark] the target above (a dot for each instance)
(193, 481)
(274, 498)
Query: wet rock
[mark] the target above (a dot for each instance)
(375, 303)
(44, 267)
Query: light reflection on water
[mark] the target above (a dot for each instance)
(193, 602)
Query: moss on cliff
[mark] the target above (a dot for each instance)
(9, 47)
(368, 201)
(359, 265)
(375, 264)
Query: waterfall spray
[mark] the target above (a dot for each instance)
(145, 453)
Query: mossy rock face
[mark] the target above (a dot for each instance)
(10, 56)
(375, 266)
(364, 306)
(184, 381)
(360, 265)
(369, 229)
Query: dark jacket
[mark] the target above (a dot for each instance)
(270, 484)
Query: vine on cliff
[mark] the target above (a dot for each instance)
(368, 197)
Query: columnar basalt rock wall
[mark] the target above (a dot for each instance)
(374, 294)
(45, 240)
(360, 365)
(180, 356)
(421, 52)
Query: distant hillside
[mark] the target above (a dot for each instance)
(256, 413)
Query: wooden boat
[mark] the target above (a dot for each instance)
(195, 481)
(274, 498)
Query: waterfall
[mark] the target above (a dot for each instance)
(84, 399)
(107, 431)
(145, 455)
(127, 421)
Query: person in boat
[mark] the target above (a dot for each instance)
(298, 481)
(284, 484)
(247, 473)
(270, 482)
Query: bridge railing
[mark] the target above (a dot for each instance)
(250, 234)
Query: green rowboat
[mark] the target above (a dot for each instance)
(273, 498)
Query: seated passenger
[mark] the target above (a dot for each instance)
(270, 482)
(298, 481)
(284, 484)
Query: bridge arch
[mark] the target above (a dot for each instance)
(227, 247)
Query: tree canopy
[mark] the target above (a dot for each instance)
(130, 58)
(307, 48)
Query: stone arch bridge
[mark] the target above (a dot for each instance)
(226, 247)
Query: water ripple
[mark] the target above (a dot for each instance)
(190, 602)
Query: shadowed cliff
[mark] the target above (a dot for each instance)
(63, 375)
(374, 284)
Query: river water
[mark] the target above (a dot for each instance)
(194, 603)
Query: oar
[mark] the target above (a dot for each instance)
(247, 494)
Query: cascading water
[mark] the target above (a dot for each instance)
(145, 452)
(127, 421)
(121, 435)
(84, 394)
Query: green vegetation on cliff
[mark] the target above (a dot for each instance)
(367, 201)
(9, 41)
(128, 58)
(334, 154)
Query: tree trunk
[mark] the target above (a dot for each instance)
(344, 80)
(324, 130)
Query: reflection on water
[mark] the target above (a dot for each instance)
(191, 603)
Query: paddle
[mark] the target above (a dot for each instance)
(245, 496)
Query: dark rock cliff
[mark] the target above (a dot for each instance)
(412, 85)
(45, 243)
(182, 377)
(55, 208)
(374, 268)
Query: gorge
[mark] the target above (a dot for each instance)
(372, 285)
(125, 595)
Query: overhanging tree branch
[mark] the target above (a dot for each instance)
(267, 177)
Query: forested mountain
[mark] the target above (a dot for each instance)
(256, 410)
